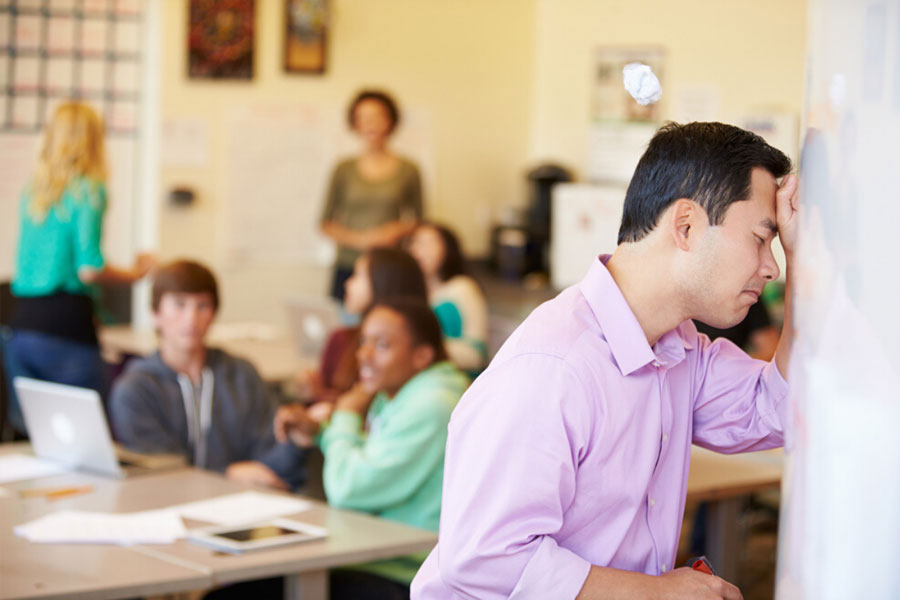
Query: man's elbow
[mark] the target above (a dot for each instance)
(460, 572)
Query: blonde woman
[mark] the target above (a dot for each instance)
(59, 260)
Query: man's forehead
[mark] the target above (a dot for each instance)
(759, 206)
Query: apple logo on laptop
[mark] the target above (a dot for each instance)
(62, 428)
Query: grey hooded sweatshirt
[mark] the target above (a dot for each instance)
(225, 419)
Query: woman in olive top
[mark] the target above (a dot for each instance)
(59, 259)
(384, 444)
(374, 199)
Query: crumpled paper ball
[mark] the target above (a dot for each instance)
(642, 83)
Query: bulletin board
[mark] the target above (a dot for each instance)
(52, 51)
(620, 127)
(64, 49)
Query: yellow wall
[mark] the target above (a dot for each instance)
(467, 64)
(754, 52)
(503, 82)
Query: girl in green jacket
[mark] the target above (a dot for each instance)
(384, 444)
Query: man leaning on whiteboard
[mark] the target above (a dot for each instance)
(567, 460)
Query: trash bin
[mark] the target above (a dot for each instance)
(509, 245)
(542, 179)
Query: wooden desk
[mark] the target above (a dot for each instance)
(723, 480)
(30, 570)
(277, 358)
(352, 538)
(48, 570)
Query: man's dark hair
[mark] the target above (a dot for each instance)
(183, 276)
(421, 321)
(390, 106)
(393, 272)
(454, 263)
(710, 163)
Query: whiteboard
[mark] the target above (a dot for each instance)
(841, 503)
(279, 159)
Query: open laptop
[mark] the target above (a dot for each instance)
(312, 319)
(66, 424)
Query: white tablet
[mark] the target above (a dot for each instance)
(256, 536)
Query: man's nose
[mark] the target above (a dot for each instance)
(769, 268)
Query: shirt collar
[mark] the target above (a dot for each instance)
(627, 341)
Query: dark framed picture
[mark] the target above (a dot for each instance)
(221, 39)
(306, 34)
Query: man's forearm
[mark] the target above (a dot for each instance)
(604, 583)
(783, 351)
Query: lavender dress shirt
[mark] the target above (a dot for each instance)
(572, 449)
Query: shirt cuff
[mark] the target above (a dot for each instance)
(552, 572)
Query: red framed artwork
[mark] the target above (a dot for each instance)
(221, 39)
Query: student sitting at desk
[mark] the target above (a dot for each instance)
(384, 444)
(200, 402)
(458, 302)
(378, 274)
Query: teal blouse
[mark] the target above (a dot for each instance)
(51, 252)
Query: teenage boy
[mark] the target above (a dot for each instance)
(567, 460)
(200, 402)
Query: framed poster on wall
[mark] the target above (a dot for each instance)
(306, 28)
(221, 39)
(620, 127)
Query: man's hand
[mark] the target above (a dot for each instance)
(357, 399)
(688, 584)
(605, 583)
(293, 422)
(786, 207)
(255, 473)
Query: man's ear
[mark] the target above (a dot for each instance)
(422, 357)
(685, 213)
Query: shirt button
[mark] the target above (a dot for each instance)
(665, 437)
(652, 502)
(655, 363)
(664, 567)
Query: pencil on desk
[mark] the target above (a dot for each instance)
(57, 493)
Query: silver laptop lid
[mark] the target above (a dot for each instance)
(66, 424)
(312, 319)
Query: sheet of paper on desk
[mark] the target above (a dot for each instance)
(244, 507)
(80, 527)
(18, 467)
